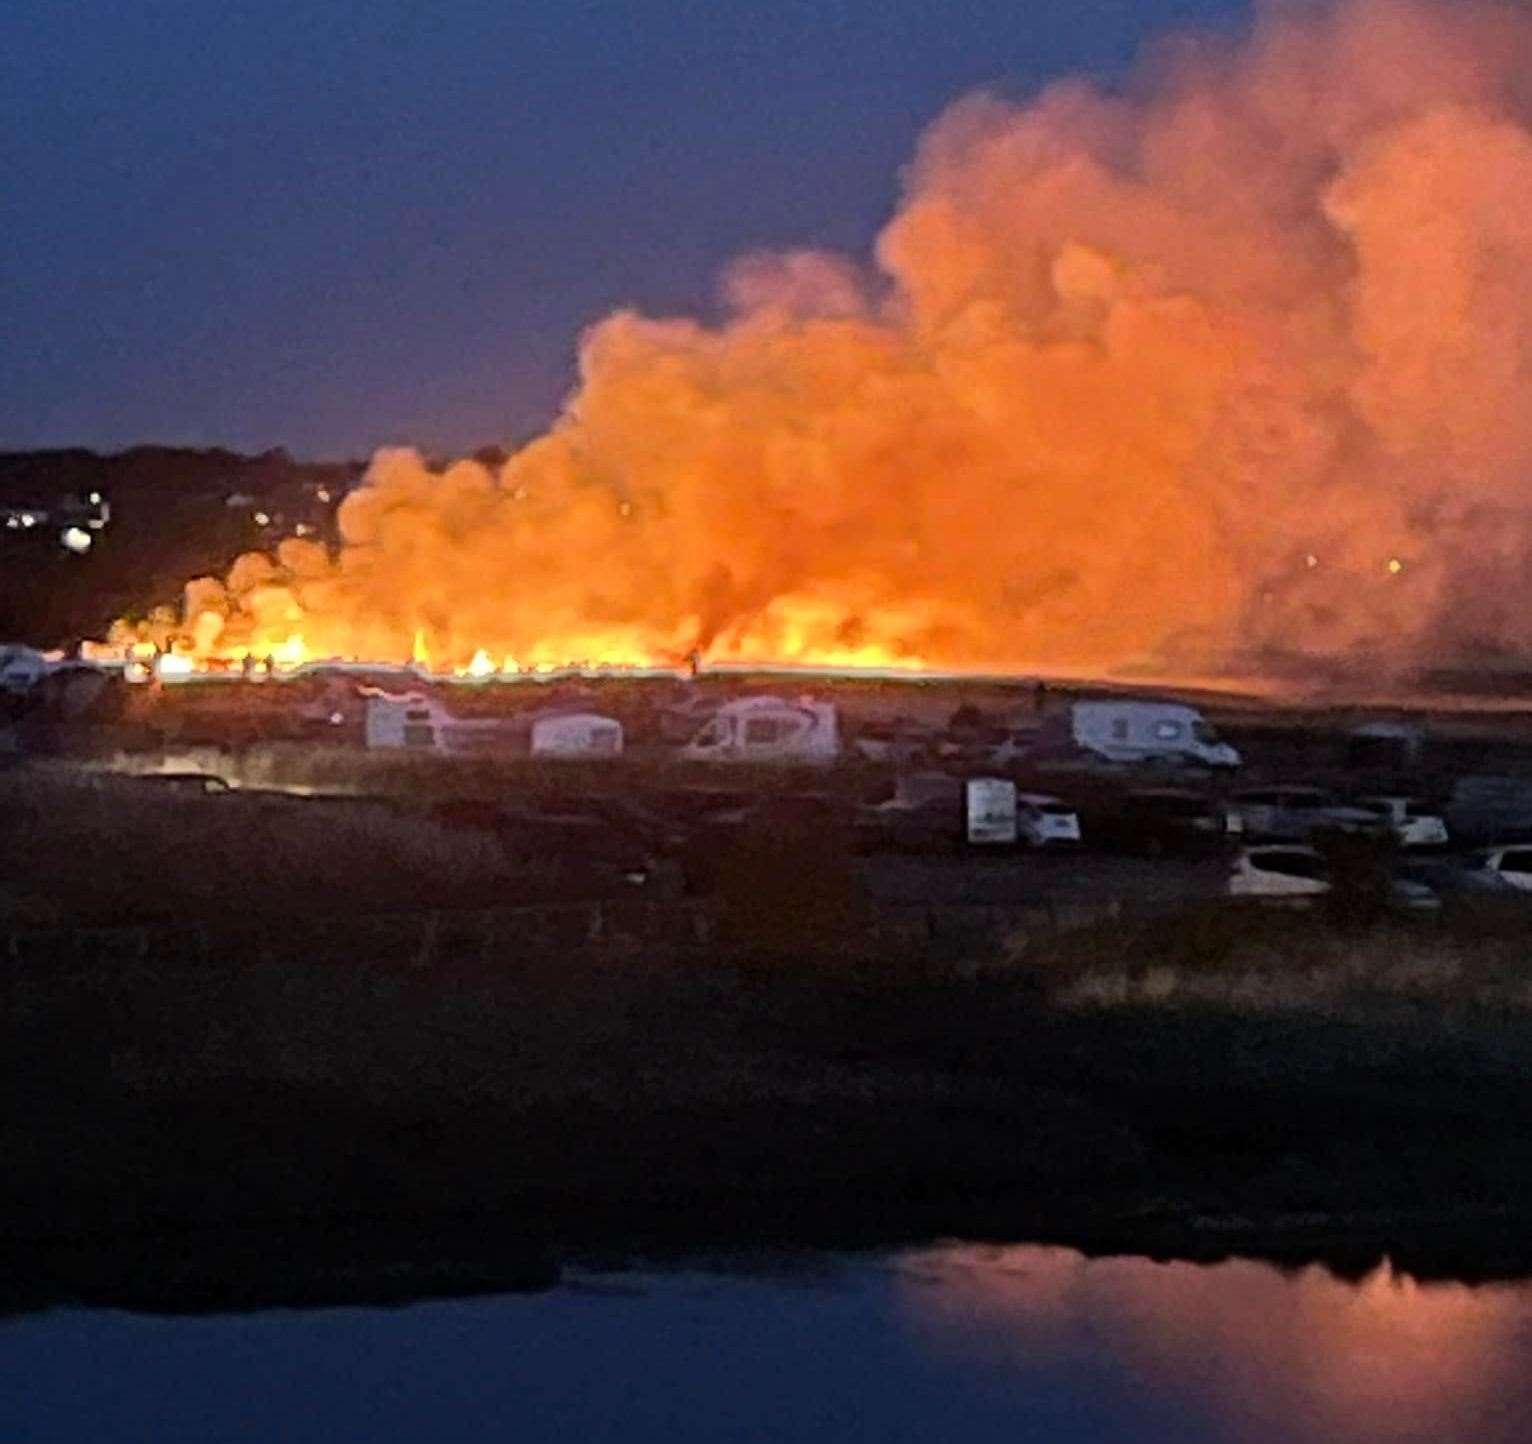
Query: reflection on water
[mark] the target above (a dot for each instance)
(955, 1343)
(1264, 1355)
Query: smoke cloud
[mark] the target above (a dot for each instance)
(1223, 367)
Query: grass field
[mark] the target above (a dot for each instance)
(1290, 1085)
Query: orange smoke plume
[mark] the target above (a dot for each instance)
(1226, 366)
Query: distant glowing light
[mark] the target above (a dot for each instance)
(1395, 566)
(323, 493)
(302, 529)
(262, 518)
(75, 539)
(1311, 561)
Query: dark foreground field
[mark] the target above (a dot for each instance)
(247, 1100)
(224, 1135)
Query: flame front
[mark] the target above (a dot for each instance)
(1231, 363)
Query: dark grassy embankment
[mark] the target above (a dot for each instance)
(216, 1132)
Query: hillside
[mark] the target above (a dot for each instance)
(174, 513)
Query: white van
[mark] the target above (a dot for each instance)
(767, 729)
(1130, 731)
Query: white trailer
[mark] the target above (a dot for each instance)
(416, 722)
(408, 722)
(1143, 731)
(576, 734)
(767, 729)
(991, 811)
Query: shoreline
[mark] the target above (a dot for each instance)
(394, 1262)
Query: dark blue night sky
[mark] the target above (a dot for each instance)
(258, 222)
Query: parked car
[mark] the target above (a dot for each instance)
(1293, 814)
(1511, 866)
(1297, 875)
(1457, 877)
(1045, 821)
(187, 784)
(1288, 873)
(1414, 823)
(1159, 820)
(895, 743)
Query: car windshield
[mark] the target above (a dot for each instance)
(1290, 864)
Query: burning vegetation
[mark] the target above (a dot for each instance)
(1222, 369)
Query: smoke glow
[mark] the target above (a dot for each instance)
(1226, 365)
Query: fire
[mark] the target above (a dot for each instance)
(1126, 366)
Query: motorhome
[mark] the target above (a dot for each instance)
(1144, 731)
(768, 729)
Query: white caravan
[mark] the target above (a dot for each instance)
(991, 811)
(1130, 731)
(414, 722)
(576, 734)
(767, 729)
(407, 722)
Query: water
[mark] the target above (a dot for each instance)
(954, 1343)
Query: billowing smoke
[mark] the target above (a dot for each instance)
(1227, 365)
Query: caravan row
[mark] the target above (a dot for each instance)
(751, 729)
(773, 729)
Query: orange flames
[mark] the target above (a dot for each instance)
(1228, 365)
